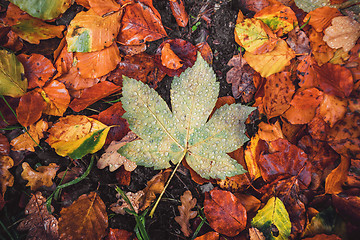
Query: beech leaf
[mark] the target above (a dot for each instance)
(185, 132)
(273, 214)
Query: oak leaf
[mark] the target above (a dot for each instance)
(30, 139)
(39, 222)
(187, 203)
(6, 178)
(121, 204)
(42, 176)
(343, 33)
(77, 135)
(225, 213)
(185, 132)
(113, 159)
(86, 218)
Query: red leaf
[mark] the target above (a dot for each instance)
(225, 212)
(119, 234)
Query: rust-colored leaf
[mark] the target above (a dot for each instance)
(6, 178)
(93, 94)
(336, 179)
(320, 50)
(187, 203)
(42, 176)
(117, 234)
(348, 207)
(209, 236)
(56, 97)
(141, 23)
(279, 90)
(270, 132)
(74, 82)
(4, 145)
(102, 7)
(206, 52)
(332, 109)
(321, 18)
(30, 139)
(284, 160)
(30, 108)
(97, 64)
(303, 106)
(251, 203)
(353, 177)
(252, 154)
(169, 59)
(38, 69)
(63, 59)
(39, 222)
(86, 218)
(225, 213)
(306, 72)
(179, 12)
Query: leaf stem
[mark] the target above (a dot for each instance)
(167, 184)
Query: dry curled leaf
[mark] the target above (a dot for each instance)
(86, 218)
(42, 176)
(39, 222)
(187, 203)
(6, 178)
(113, 159)
(121, 204)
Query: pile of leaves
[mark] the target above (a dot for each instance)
(295, 172)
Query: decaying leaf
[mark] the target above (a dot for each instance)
(225, 213)
(113, 159)
(39, 222)
(273, 220)
(170, 136)
(12, 80)
(310, 5)
(121, 204)
(86, 218)
(255, 234)
(42, 176)
(344, 32)
(31, 138)
(6, 178)
(77, 135)
(336, 179)
(187, 203)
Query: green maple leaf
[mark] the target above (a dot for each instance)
(186, 131)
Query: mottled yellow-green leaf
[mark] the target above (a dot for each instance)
(12, 79)
(271, 62)
(185, 131)
(89, 32)
(273, 215)
(311, 5)
(44, 9)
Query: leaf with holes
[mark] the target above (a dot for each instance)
(184, 132)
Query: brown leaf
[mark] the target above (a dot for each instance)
(179, 12)
(348, 207)
(225, 213)
(320, 50)
(112, 159)
(74, 82)
(332, 109)
(298, 41)
(251, 203)
(6, 178)
(353, 177)
(38, 69)
(120, 234)
(39, 222)
(335, 180)
(6, 112)
(209, 236)
(318, 128)
(86, 218)
(169, 59)
(284, 160)
(30, 108)
(141, 23)
(255, 234)
(270, 132)
(154, 186)
(26, 142)
(93, 94)
(187, 203)
(57, 98)
(279, 90)
(70, 174)
(303, 106)
(121, 204)
(4, 145)
(321, 18)
(241, 78)
(42, 176)
(323, 236)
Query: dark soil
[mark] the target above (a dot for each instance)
(219, 33)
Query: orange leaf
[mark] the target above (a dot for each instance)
(284, 160)
(179, 12)
(97, 64)
(336, 179)
(187, 203)
(321, 18)
(206, 52)
(169, 59)
(42, 176)
(252, 154)
(209, 236)
(270, 132)
(14, 42)
(30, 108)
(279, 90)
(38, 69)
(250, 203)
(119, 234)
(86, 218)
(141, 23)
(320, 50)
(56, 97)
(303, 106)
(74, 82)
(93, 94)
(102, 7)
(6, 178)
(63, 59)
(225, 213)
(25, 142)
(332, 109)
(39, 222)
